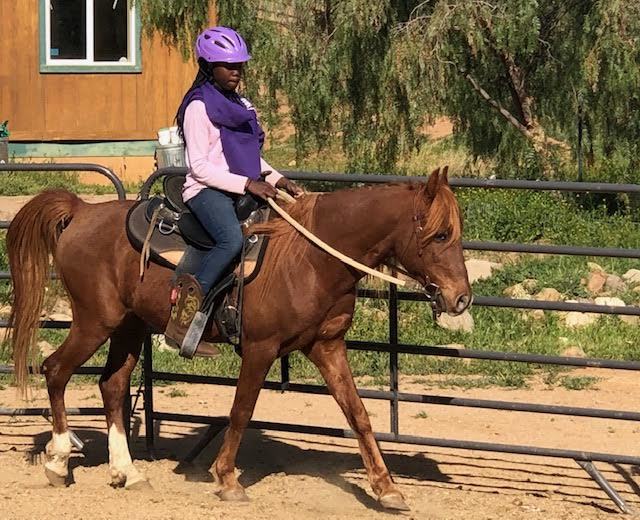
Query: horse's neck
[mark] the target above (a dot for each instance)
(363, 223)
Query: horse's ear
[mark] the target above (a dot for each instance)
(432, 183)
(444, 176)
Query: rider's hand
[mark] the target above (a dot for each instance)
(290, 187)
(260, 189)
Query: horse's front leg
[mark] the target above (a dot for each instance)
(256, 361)
(330, 356)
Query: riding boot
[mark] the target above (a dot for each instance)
(188, 298)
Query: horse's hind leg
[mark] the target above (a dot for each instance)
(256, 361)
(124, 350)
(330, 356)
(85, 337)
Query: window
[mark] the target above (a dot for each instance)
(89, 36)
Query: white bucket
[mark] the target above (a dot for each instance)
(164, 136)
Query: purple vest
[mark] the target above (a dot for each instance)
(240, 132)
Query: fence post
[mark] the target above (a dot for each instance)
(393, 357)
(147, 369)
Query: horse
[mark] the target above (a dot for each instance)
(303, 299)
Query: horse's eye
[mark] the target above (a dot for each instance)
(441, 237)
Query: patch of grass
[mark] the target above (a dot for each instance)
(176, 392)
(421, 415)
(578, 382)
(31, 183)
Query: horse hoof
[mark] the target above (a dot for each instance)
(54, 479)
(139, 485)
(394, 501)
(233, 495)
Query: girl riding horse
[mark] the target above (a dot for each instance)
(223, 140)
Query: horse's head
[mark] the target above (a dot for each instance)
(430, 248)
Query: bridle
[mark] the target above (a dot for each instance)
(431, 290)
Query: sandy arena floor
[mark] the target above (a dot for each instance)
(308, 477)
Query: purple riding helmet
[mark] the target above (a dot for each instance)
(221, 44)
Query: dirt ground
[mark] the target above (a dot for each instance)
(308, 477)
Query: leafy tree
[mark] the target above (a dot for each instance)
(510, 74)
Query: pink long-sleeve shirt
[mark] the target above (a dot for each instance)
(205, 158)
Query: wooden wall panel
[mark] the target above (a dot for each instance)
(19, 54)
(46, 107)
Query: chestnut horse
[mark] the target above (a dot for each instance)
(303, 299)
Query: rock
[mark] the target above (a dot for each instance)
(463, 322)
(608, 300)
(630, 320)
(480, 269)
(537, 314)
(162, 345)
(517, 291)
(46, 349)
(530, 285)
(592, 266)
(614, 283)
(575, 320)
(596, 281)
(62, 307)
(573, 351)
(549, 294)
(632, 276)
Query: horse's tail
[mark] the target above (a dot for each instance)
(31, 242)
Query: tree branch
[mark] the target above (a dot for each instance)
(497, 106)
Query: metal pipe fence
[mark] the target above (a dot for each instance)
(393, 347)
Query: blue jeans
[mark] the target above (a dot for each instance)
(215, 211)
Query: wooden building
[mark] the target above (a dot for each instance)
(80, 82)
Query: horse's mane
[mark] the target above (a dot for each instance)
(285, 243)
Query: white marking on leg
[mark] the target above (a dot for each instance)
(123, 472)
(57, 451)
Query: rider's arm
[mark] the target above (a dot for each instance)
(274, 176)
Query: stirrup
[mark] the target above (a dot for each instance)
(199, 323)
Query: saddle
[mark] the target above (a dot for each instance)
(163, 229)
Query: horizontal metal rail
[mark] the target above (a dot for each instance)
(80, 371)
(68, 167)
(409, 439)
(511, 247)
(45, 412)
(490, 355)
(515, 303)
(460, 182)
(412, 398)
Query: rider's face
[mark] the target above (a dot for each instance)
(227, 75)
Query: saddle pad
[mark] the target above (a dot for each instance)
(168, 250)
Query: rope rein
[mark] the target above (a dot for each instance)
(326, 247)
